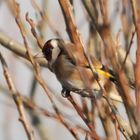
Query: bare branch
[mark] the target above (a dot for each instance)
(18, 48)
(136, 18)
(17, 99)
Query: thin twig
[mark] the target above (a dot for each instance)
(110, 46)
(104, 12)
(18, 48)
(136, 18)
(128, 49)
(37, 68)
(123, 126)
(33, 30)
(17, 99)
(89, 124)
(45, 18)
(116, 129)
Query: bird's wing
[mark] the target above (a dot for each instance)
(77, 57)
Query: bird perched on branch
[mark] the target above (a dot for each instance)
(72, 68)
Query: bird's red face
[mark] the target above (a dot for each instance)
(51, 50)
(47, 50)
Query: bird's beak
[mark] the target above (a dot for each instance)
(39, 55)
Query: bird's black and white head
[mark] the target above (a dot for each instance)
(52, 49)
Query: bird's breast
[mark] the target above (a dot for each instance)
(73, 77)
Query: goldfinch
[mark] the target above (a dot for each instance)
(71, 67)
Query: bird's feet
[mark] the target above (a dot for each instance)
(65, 93)
(96, 94)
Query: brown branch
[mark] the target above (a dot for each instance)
(123, 126)
(18, 48)
(104, 12)
(49, 94)
(123, 85)
(31, 105)
(126, 22)
(45, 18)
(76, 38)
(89, 124)
(33, 30)
(70, 23)
(47, 91)
(88, 6)
(136, 17)
(37, 68)
(128, 49)
(17, 99)
(116, 130)
(58, 116)
(22, 30)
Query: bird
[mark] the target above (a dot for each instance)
(72, 69)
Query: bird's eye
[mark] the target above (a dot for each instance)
(47, 51)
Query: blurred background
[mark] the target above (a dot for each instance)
(23, 74)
